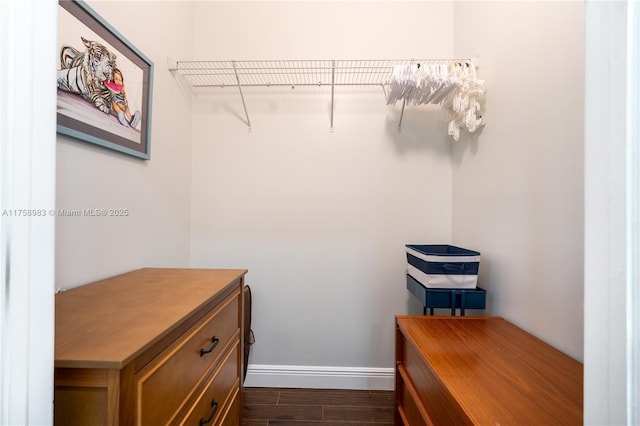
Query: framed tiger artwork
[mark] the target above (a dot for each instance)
(104, 83)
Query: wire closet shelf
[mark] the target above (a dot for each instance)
(293, 73)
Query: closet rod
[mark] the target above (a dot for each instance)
(290, 73)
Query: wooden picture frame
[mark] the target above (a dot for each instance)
(104, 83)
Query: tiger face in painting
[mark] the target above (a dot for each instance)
(84, 73)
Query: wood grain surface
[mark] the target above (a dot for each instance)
(108, 323)
(485, 370)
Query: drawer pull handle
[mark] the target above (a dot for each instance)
(214, 343)
(214, 404)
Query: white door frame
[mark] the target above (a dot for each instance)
(28, 42)
(612, 196)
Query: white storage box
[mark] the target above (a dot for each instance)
(443, 266)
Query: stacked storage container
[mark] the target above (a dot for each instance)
(444, 276)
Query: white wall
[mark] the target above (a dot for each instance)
(518, 187)
(156, 192)
(319, 219)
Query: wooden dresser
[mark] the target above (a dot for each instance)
(482, 371)
(151, 347)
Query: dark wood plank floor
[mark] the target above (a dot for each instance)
(299, 407)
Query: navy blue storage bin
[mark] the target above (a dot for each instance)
(443, 266)
(447, 298)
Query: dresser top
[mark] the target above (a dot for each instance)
(108, 323)
(496, 372)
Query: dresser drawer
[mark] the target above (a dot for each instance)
(167, 383)
(428, 389)
(410, 413)
(214, 402)
(232, 417)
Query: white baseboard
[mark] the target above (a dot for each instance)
(302, 376)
